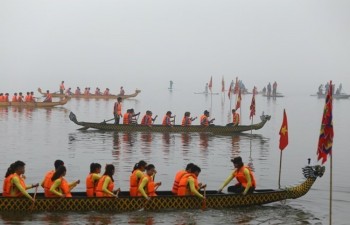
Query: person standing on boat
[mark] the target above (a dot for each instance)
(14, 185)
(178, 177)
(60, 187)
(188, 184)
(117, 110)
(48, 97)
(167, 119)
(47, 182)
(274, 89)
(206, 88)
(171, 85)
(147, 119)
(269, 90)
(122, 92)
(105, 186)
(62, 88)
(92, 179)
(245, 177)
(136, 175)
(320, 89)
(148, 187)
(204, 119)
(187, 120)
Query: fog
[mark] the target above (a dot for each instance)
(145, 44)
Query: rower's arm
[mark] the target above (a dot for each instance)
(95, 177)
(249, 181)
(17, 183)
(193, 188)
(142, 186)
(105, 185)
(73, 185)
(227, 181)
(55, 186)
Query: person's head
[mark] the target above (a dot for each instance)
(18, 167)
(237, 162)
(10, 170)
(140, 166)
(196, 170)
(119, 99)
(109, 171)
(168, 113)
(189, 167)
(27, 92)
(47, 91)
(150, 169)
(132, 111)
(32, 92)
(187, 113)
(62, 82)
(7, 94)
(58, 163)
(206, 112)
(15, 94)
(95, 168)
(233, 110)
(20, 93)
(60, 172)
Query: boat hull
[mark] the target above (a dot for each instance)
(35, 104)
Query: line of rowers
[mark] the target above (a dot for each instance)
(141, 181)
(21, 98)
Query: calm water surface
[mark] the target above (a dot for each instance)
(40, 136)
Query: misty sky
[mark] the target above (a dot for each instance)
(145, 44)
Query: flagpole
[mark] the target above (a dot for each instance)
(330, 190)
(279, 176)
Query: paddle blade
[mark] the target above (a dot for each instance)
(204, 204)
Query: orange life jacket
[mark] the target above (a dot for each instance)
(204, 120)
(63, 188)
(146, 120)
(77, 92)
(9, 189)
(14, 98)
(48, 183)
(126, 118)
(235, 118)
(48, 98)
(27, 98)
(184, 188)
(117, 108)
(20, 99)
(2, 99)
(186, 121)
(6, 98)
(241, 178)
(178, 177)
(90, 186)
(150, 188)
(166, 121)
(134, 183)
(99, 191)
(106, 92)
(62, 87)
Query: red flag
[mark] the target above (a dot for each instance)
(236, 86)
(325, 141)
(223, 84)
(238, 103)
(252, 105)
(230, 90)
(210, 83)
(284, 132)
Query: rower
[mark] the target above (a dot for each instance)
(77, 91)
(147, 119)
(204, 119)
(92, 179)
(105, 184)
(235, 118)
(14, 185)
(187, 120)
(6, 97)
(47, 182)
(27, 98)
(188, 184)
(48, 97)
(106, 92)
(20, 97)
(60, 187)
(136, 175)
(14, 97)
(245, 177)
(133, 117)
(178, 177)
(167, 119)
(32, 98)
(148, 187)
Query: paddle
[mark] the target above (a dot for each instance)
(204, 203)
(154, 119)
(34, 198)
(105, 121)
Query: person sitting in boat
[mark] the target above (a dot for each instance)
(14, 185)
(106, 92)
(235, 118)
(2, 99)
(32, 98)
(20, 97)
(147, 119)
(148, 187)
(97, 91)
(133, 117)
(92, 179)
(62, 88)
(77, 91)
(48, 97)
(68, 92)
(46, 183)
(204, 119)
(245, 177)
(60, 187)
(87, 91)
(320, 89)
(117, 110)
(167, 119)
(189, 185)
(178, 177)
(27, 97)
(105, 185)
(136, 175)
(6, 97)
(14, 97)
(122, 92)
(187, 119)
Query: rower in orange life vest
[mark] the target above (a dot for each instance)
(131, 117)
(77, 91)
(136, 175)
(189, 185)
(106, 92)
(117, 110)
(204, 119)
(187, 120)
(32, 98)
(105, 185)
(97, 91)
(235, 119)
(6, 97)
(62, 88)
(245, 177)
(2, 99)
(147, 187)
(167, 119)
(178, 177)
(14, 185)
(14, 97)
(20, 97)
(60, 187)
(47, 182)
(27, 98)
(48, 97)
(147, 119)
(92, 179)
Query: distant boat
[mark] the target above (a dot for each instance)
(335, 96)
(205, 93)
(278, 95)
(35, 104)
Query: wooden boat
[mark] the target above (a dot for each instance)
(205, 93)
(35, 104)
(93, 96)
(335, 96)
(278, 95)
(176, 128)
(164, 200)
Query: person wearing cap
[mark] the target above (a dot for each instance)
(204, 119)
(147, 119)
(117, 110)
(245, 177)
(187, 120)
(167, 119)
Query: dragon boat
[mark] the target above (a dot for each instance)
(335, 96)
(92, 96)
(175, 128)
(164, 200)
(35, 104)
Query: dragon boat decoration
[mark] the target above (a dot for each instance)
(164, 200)
(35, 104)
(175, 128)
(92, 96)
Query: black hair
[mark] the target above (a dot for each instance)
(109, 170)
(150, 166)
(189, 166)
(59, 172)
(94, 166)
(168, 113)
(195, 168)
(58, 163)
(17, 165)
(10, 170)
(138, 165)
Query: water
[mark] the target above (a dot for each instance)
(40, 136)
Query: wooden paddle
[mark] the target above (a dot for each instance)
(34, 198)
(105, 121)
(204, 203)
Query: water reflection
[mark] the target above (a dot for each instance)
(235, 145)
(204, 141)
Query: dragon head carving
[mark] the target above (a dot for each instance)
(313, 171)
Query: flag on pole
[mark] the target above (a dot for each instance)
(230, 90)
(238, 103)
(210, 83)
(252, 105)
(284, 132)
(223, 84)
(325, 141)
(236, 90)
